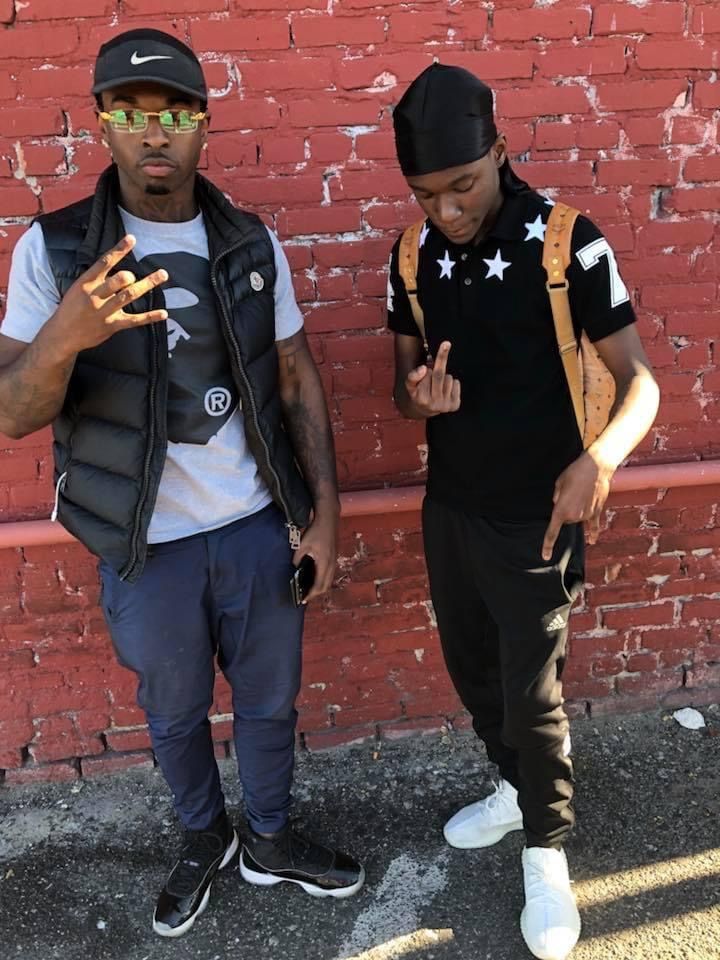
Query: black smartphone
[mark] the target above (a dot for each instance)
(302, 580)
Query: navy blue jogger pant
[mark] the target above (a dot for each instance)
(224, 593)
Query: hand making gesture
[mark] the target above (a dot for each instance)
(93, 308)
(434, 390)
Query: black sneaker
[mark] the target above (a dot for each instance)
(187, 891)
(320, 871)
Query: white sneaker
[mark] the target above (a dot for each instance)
(550, 921)
(485, 822)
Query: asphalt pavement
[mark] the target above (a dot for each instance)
(82, 862)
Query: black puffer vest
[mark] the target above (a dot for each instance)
(110, 438)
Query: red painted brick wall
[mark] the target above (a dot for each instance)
(612, 106)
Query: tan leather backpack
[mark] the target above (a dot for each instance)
(591, 384)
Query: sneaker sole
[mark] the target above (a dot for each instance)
(269, 880)
(489, 838)
(163, 930)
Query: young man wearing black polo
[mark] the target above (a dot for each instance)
(154, 325)
(509, 485)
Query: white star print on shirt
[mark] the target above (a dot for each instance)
(497, 266)
(423, 234)
(536, 229)
(446, 266)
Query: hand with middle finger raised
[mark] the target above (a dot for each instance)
(432, 390)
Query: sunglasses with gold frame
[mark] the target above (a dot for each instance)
(137, 121)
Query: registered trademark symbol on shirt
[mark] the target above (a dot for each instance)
(217, 401)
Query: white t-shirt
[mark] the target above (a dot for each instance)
(210, 477)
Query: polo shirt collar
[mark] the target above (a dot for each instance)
(510, 224)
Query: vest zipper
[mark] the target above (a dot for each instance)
(293, 531)
(59, 486)
(132, 562)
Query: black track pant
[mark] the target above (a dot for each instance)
(502, 613)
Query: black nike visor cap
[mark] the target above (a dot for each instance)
(151, 56)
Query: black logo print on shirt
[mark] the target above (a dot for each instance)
(201, 392)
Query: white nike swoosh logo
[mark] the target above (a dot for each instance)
(136, 60)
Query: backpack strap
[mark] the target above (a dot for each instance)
(408, 267)
(556, 260)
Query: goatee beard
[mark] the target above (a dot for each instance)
(156, 190)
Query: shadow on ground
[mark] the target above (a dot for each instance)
(80, 864)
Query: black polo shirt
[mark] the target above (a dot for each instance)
(515, 432)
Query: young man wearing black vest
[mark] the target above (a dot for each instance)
(155, 326)
(509, 484)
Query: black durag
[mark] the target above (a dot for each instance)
(445, 119)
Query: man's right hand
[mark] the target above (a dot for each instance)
(433, 390)
(93, 308)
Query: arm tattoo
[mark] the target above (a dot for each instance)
(32, 391)
(312, 441)
(306, 417)
(287, 353)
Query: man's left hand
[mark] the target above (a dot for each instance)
(580, 495)
(320, 542)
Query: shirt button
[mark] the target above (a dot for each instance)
(463, 256)
(468, 281)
